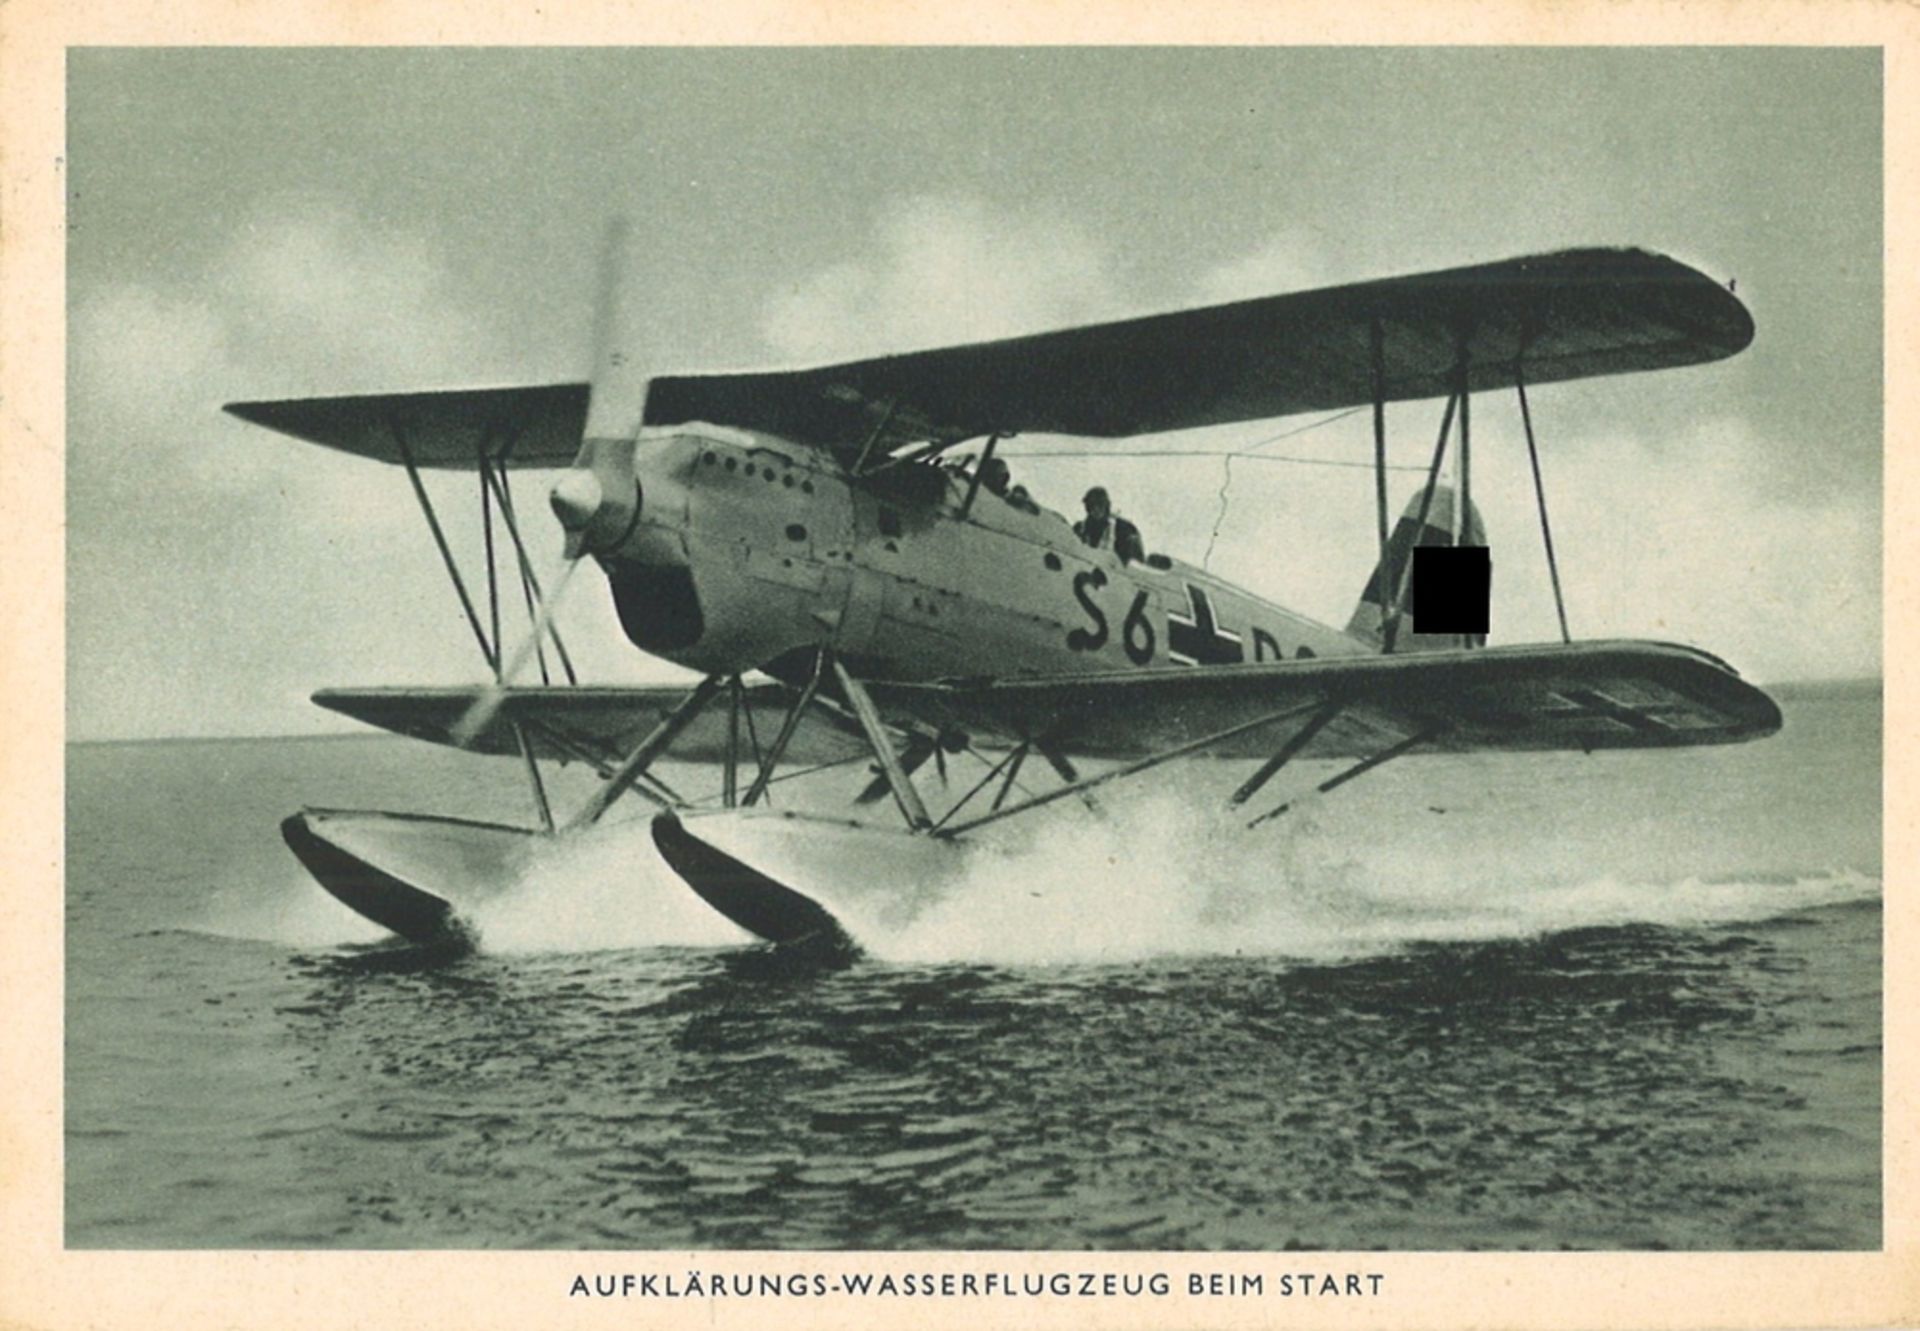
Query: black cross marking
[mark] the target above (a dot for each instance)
(1194, 638)
(1591, 703)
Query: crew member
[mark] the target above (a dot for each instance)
(995, 476)
(1102, 522)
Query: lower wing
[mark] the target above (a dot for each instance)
(1583, 696)
(601, 725)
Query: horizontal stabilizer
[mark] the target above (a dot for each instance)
(1583, 696)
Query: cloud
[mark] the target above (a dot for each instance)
(218, 573)
(945, 270)
(1691, 540)
(1293, 260)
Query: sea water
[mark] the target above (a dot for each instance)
(1619, 1001)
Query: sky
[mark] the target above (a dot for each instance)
(253, 223)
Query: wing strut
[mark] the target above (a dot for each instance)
(979, 474)
(1378, 374)
(494, 493)
(487, 649)
(1398, 589)
(1540, 493)
(530, 589)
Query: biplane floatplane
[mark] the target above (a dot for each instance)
(816, 528)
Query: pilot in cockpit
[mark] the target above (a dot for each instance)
(995, 476)
(1102, 528)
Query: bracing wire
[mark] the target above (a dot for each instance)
(1303, 429)
(1249, 452)
(1095, 454)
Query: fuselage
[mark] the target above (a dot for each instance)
(741, 550)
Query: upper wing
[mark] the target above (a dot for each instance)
(1552, 317)
(535, 425)
(599, 725)
(1559, 316)
(1599, 695)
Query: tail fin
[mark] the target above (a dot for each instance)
(1438, 529)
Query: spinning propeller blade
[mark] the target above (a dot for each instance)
(599, 491)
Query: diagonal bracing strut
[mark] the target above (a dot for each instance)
(644, 755)
(911, 806)
(1360, 768)
(778, 748)
(1128, 769)
(1287, 752)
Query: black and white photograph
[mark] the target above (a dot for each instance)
(971, 650)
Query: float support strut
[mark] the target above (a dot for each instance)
(649, 749)
(904, 794)
(533, 777)
(730, 774)
(1009, 764)
(778, 748)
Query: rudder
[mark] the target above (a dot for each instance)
(1438, 528)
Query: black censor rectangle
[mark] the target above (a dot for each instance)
(1451, 588)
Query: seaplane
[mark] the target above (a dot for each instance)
(837, 555)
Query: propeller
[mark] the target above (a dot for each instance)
(598, 494)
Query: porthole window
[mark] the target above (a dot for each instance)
(807, 487)
(795, 532)
(1052, 561)
(731, 464)
(787, 481)
(709, 458)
